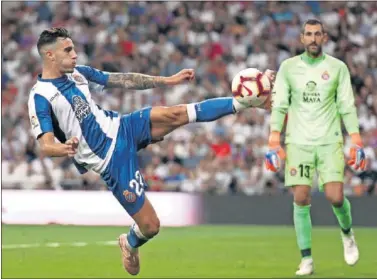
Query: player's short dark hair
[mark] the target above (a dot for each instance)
(312, 22)
(49, 36)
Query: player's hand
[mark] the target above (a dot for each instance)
(275, 155)
(180, 77)
(71, 146)
(357, 159)
(266, 104)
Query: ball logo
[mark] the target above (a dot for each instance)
(129, 196)
(325, 75)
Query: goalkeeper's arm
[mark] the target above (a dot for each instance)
(280, 104)
(347, 109)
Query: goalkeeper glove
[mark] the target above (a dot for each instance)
(357, 154)
(275, 154)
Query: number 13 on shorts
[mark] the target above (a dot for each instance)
(299, 167)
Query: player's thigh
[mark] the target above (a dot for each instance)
(299, 165)
(137, 127)
(330, 164)
(164, 120)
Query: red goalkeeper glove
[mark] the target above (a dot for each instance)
(275, 154)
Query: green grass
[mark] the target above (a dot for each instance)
(204, 251)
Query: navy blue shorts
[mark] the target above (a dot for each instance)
(122, 175)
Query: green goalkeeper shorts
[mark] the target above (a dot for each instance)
(303, 160)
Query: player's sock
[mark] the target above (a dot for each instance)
(303, 227)
(135, 237)
(212, 109)
(343, 214)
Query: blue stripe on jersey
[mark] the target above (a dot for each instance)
(43, 111)
(97, 140)
(108, 113)
(93, 74)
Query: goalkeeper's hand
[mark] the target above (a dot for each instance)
(275, 155)
(357, 155)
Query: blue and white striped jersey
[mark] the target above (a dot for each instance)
(64, 106)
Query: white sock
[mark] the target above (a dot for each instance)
(191, 112)
(138, 232)
(238, 106)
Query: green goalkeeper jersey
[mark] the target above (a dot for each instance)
(316, 93)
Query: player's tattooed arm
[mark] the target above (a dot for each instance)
(135, 81)
(140, 81)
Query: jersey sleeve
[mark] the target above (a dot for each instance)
(40, 115)
(93, 74)
(345, 101)
(280, 99)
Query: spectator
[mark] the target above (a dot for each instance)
(217, 39)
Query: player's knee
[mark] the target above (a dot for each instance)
(179, 115)
(302, 199)
(336, 199)
(334, 193)
(151, 227)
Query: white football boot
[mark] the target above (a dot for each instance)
(306, 267)
(351, 252)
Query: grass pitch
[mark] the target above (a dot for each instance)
(203, 251)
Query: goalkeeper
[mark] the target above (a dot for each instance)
(315, 90)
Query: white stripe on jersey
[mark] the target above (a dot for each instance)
(67, 122)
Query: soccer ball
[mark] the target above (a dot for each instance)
(251, 87)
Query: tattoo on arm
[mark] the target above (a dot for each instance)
(134, 81)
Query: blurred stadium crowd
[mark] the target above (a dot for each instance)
(217, 39)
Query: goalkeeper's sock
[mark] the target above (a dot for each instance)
(135, 237)
(303, 227)
(213, 109)
(343, 214)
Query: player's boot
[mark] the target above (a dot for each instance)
(130, 258)
(305, 267)
(351, 252)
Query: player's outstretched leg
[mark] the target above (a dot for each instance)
(303, 227)
(166, 119)
(342, 210)
(146, 226)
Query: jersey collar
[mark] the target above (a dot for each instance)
(53, 80)
(312, 61)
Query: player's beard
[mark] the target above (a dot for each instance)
(314, 53)
(68, 70)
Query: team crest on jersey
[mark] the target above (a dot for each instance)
(129, 196)
(81, 108)
(293, 172)
(34, 122)
(325, 75)
(78, 78)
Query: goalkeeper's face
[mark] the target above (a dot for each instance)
(64, 56)
(313, 38)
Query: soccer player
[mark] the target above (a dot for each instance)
(60, 105)
(315, 90)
